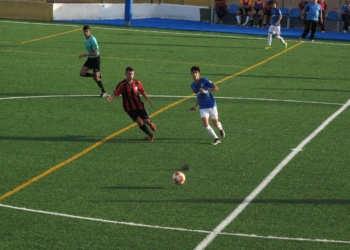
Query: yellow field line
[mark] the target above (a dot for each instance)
(46, 37)
(87, 150)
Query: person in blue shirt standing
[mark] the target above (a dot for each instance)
(313, 16)
(275, 27)
(93, 59)
(345, 15)
(203, 88)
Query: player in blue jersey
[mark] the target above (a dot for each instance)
(203, 88)
(93, 59)
(275, 27)
(313, 16)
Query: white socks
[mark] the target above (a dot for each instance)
(211, 131)
(269, 39)
(280, 38)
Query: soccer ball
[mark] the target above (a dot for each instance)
(179, 178)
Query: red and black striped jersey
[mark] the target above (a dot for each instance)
(130, 94)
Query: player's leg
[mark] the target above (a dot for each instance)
(214, 115)
(145, 117)
(278, 35)
(204, 113)
(97, 75)
(247, 16)
(307, 29)
(313, 30)
(135, 116)
(238, 16)
(251, 17)
(261, 13)
(269, 36)
(84, 71)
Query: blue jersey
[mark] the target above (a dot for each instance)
(313, 11)
(275, 16)
(344, 8)
(91, 45)
(205, 100)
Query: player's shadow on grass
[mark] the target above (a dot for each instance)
(90, 139)
(131, 188)
(315, 202)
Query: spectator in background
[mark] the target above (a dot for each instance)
(220, 9)
(301, 6)
(245, 9)
(345, 15)
(267, 11)
(313, 16)
(258, 8)
(324, 8)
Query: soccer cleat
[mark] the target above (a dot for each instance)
(216, 142)
(238, 24)
(244, 24)
(344, 31)
(103, 94)
(222, 133)
(258, 26)
(301, 39)
(153, 126)
(323, 31)
(312, 40)
(268, 47)
(151, 138)
(285, 45)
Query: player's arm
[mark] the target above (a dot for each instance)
(117, 92)
(143, 93)
(213, 89)
(302, 16)
(93, 53)
(195, 107)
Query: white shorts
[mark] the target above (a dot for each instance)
(275, 29)
(212, 113)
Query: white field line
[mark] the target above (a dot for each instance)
(168, 228)
(171, 96)
(267, 180)
(185, 32)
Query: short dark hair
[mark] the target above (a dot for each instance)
(196, 68)
(129, 69)
(86, 27)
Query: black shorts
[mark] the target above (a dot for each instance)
(247, 10)
(93, 63)
(134, 114)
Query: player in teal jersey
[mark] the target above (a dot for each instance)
(93, 59)
(203, 88)
(275, 27)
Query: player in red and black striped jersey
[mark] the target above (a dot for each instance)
(129, 89)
